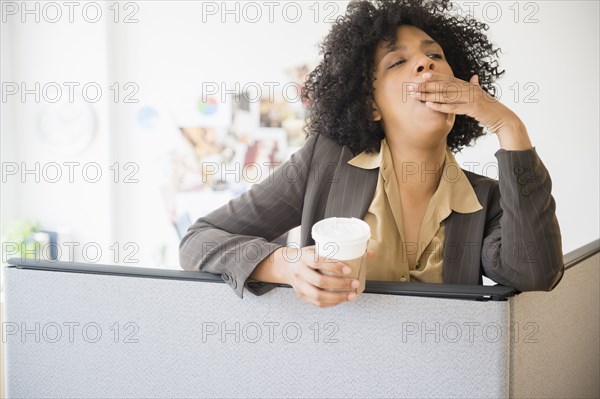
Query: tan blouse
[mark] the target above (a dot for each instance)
(384, 215)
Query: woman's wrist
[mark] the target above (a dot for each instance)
(513, 136)
(273, 269)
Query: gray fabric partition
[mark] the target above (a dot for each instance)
(377, 346)
(556, 352)
(88, 335)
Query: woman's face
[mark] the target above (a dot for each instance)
(403, 117)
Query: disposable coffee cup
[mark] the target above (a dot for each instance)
(345, 240)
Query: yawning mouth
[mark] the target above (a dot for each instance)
(425, 106)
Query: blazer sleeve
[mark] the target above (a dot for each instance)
(522, 246)
(233, 239)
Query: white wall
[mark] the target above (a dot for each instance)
(63, 52)
(171, 51)
(559, 56)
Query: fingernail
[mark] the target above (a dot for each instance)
(346, 270)
(355, 284)
(351, 296)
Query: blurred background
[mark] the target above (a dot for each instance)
(123, 122)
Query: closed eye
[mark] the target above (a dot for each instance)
(437, 56)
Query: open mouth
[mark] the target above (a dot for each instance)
(425, 106)
(418, 100)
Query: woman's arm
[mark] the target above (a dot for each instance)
(235, 238)
(522, 246)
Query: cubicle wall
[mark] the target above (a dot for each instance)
(555, 351)
(84, 334)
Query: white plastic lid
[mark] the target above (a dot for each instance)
(341, 238)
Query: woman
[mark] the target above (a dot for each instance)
(380, 152)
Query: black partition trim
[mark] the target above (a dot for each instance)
(577, 256)
(452, 291)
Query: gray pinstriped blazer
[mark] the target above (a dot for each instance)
(515, 239)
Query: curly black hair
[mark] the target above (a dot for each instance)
(339, 91)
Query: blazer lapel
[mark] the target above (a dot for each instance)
(451, 253)
(462, 244)
(352, 189)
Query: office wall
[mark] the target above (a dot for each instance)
(171, 50)
(45, 54)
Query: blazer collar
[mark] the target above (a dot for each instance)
(454, 192)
